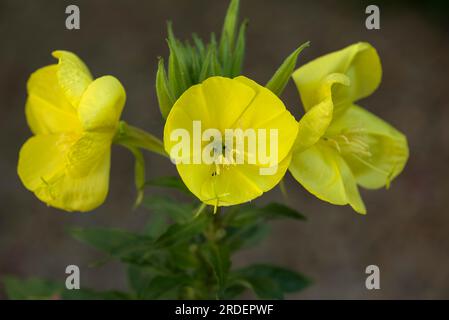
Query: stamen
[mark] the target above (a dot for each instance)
(350, 141)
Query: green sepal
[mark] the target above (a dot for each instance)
(280, 78)
(163, 92)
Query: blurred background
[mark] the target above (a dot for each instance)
(406, 230)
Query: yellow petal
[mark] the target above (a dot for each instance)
(266, 111)
(222, 103)
(234, 185)
(43, 156)
(45, 169)
(218, 102)
(102, 103)
(324, 173)
(47, 109)
(315, 122)
(73, 76)
(386, 148)
(359, 62)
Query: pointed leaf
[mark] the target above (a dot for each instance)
(179, 233)
(127, 246)
(179, 212)
(174, 182)
(218, 257)
(164, 96)
(280, 78)
(239, 52)
(288, 281)
(229, 26)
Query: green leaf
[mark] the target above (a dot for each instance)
(179, 212)
(34, 288)
(169, 182)
(277, 210)
(246, 236)
(130, 136)
(287, 280)
(239, 52)
(89, 294)
(207, 65)
(164, 95)
(178, 72)
(179, 233)
(199, 46)
(280, 78)
(263, 287)
(229, 27)
(162, 287)
(250, 214)
(148, 284)
(157, 225)
(139, 174)
(127, 246)
(218, 257)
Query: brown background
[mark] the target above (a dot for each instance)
(406, 229)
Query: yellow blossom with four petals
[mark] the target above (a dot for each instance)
(74, 119)
(224, 103)
(341, 145)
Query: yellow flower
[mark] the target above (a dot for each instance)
(339, 144)
(223, 105)
(74, 119)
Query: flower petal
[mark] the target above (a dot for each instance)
(102, 103)
(73, 76)
(45, 170)
(234, 185)
(218, 102)
(323, 172)
(267, 112)
(47, 109)
(387, 148)
(41, 157)
(313, 125)
(359, 62)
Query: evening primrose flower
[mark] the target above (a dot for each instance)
(221, 105)
(339, 144)
(74, 119)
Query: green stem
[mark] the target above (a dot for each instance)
(130, 136)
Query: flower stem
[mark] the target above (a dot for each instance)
(130, 136)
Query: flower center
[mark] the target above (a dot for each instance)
(350, 141)
(223, 158)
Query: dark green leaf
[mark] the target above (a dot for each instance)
(34, 288)
(250, 214)
(164, 95)
(280, 78)
(89, 294)
(162, 287)
(157, 225)
(179, 212)
(263, 287)
(218, 257)
(179, 75)
(169, 182)
(277, 210)
(130, 247)
(246, 236)
(288, 281)
(19, 289)
(178, 233)
(139, 173)
(229, 27)
(239, 52)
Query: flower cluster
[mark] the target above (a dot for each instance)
(334, 148)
